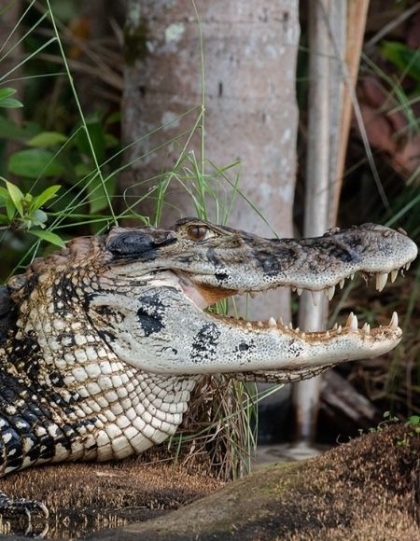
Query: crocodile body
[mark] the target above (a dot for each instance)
(102, 343)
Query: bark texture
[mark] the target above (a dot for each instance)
(247, 85)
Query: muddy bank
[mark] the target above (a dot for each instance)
(92, 497)
(367, 489)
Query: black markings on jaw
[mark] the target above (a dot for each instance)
(220, 273)
(331, 247)
(212, 257)
(243, 348)
(150, 314)
(149, 323)
(205, 342)
(268, 262)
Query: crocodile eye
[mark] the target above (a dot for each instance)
(197, 232)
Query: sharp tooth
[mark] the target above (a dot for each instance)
(280, 321)
(252, 294)
(352, 276)
(260, 324)
(407, 266)
(297, 329)
(330, 292)
(342, 283)
(394, 274)
(303, 335)
(249, 325)
(352, 322)
(299, 291)
(366, 328)
(381, 279)
(272, 322)
(290, 326)
(339, 329)
(316, 297)
(327, 334)
(294, 289)
(394, 321)
(335, 327)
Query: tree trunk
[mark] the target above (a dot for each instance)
(243, 74)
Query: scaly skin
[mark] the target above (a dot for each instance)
(106, 339)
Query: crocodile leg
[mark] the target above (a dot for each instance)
(15, 507)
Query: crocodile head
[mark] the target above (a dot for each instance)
(145, 294)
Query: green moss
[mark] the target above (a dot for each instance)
(272, 485)
(135, 44)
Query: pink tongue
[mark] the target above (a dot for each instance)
(194, 295)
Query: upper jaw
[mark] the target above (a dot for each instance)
(228, 262)
(319, 264)
(234, 262)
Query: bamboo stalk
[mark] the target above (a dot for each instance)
(330, 98)
(306, 393)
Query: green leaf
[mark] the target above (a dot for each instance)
(34, 162)
(113, 118)
(403, 57)
(4, 195)
(9, 130)
(49, 236)
(7, 92)
(10, 103)
(45, 196)
(414, 420)
(16, 196)
(111, 141)
(6, 100)
(48, 139)
(10, 209)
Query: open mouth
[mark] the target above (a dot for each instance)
(181, 273)
(205, 296)
(232, 262)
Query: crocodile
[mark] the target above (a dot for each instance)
(102, 343)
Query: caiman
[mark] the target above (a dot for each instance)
(102, 343)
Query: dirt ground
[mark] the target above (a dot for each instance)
(89, 497)
(365, 490)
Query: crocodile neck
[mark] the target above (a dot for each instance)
(88, 404)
